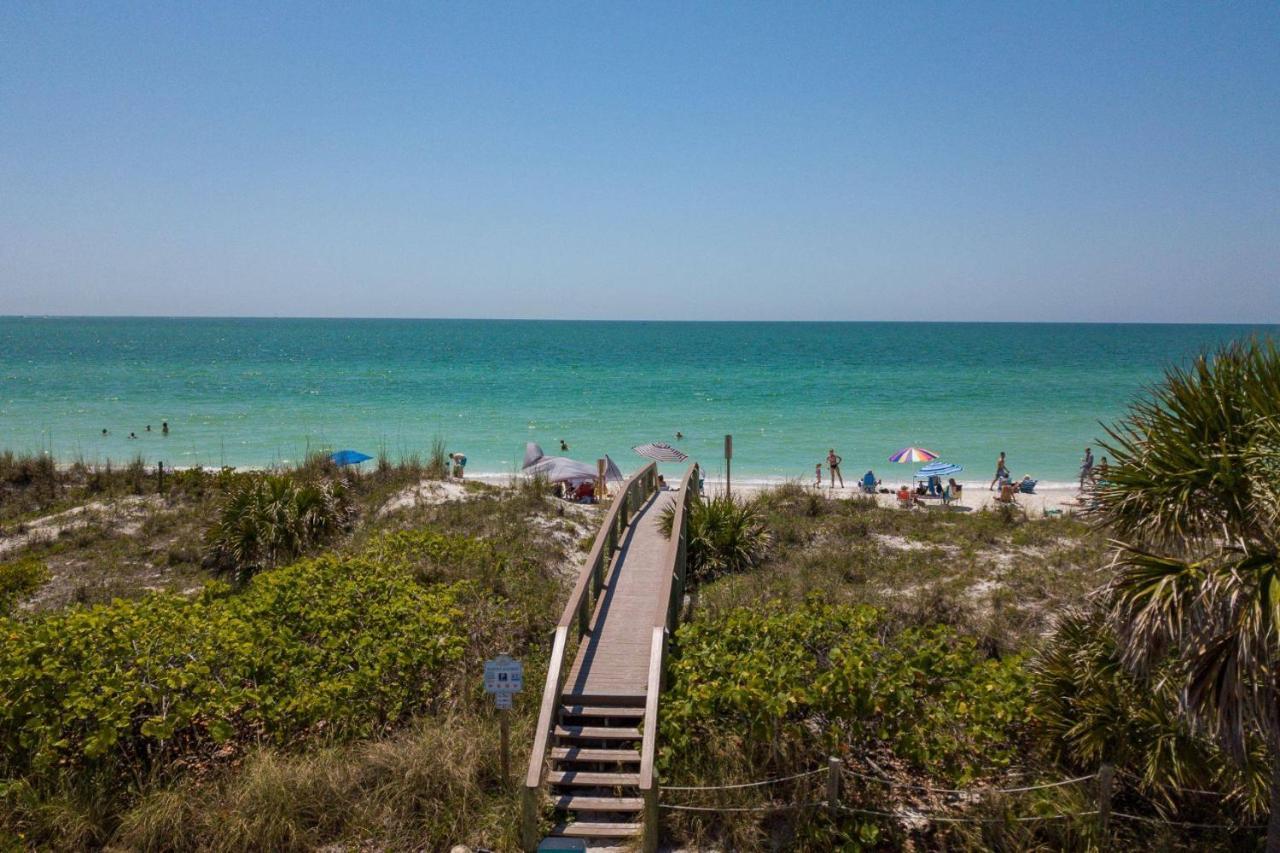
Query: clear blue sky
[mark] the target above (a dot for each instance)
(1015, 161)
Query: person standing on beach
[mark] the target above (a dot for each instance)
(1002, 472)
(1086, 467)
(817, 475)
(833, 462)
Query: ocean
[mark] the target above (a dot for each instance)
(258, 392)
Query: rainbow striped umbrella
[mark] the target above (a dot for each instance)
(913, 455)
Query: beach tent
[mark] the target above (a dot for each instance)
(532, 453)
(938, 469)
(561, 469)
(348, 457)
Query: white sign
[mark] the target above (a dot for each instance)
(503, 675)
(502, 701)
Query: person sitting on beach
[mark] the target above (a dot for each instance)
(662, 483)
(586, 492)
(869, 482)
(954, 487)
(935, 485)
(833, 462)
(905, 498)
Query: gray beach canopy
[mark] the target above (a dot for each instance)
(660, 452)
(532, 453)
(561, 469)
(612, 473)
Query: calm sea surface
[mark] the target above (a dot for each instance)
(258, 392)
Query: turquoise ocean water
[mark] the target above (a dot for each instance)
(263, 391)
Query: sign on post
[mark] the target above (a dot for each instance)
(504, 677)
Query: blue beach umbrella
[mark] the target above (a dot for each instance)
(348, 457)
(938, 469)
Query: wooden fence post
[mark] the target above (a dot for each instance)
(833, 785)
(1105, 772)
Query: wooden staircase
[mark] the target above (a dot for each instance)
(595, 770)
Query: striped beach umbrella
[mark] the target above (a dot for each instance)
(660, 452)
(938, 469)
(913, 455)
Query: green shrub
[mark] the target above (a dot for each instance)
(268, 520)
(725, 535)
(789, 687)
(19, 579)
(343, 647)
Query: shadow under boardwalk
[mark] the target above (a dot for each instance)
(613, 660)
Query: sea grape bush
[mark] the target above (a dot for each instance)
(341, 646)
(789, 687)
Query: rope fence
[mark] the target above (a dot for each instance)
(836, 769)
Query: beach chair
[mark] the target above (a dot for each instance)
(1027, 487)
(949, 497)
(1006, 495)
(869, 483)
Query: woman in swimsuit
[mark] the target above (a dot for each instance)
(833, 462)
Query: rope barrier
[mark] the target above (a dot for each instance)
(945, 819)
(894, 783)
(742, 785)
(773, 808)
(1187, 824)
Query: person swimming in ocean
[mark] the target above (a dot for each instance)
(679, 435)
(164, 427)
(104, 430)
(564, 446)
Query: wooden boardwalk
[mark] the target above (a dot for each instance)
(613, 661)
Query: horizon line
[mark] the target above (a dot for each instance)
(477, 319)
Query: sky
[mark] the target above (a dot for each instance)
(744, 161)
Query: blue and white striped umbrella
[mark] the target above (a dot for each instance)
(938, 469)
(661, 452)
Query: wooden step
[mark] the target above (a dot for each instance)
(598, 804)
(597, 732)
(603, 711)
(595, 780)
(591, 829)
(577, 753)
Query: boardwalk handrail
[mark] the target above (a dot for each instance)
(633, 493)
(672, 593)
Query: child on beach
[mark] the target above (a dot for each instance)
(817, 475)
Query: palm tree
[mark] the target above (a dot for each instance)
(1193, 503)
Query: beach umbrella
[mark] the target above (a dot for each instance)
(560, 469)
(661, 452)
(913, 454)
(938, 469)
(532, 453)
(612, 473)
(348, 457)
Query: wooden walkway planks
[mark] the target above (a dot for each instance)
(613, 660)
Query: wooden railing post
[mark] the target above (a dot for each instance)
(1105, 773)
(833, 784)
